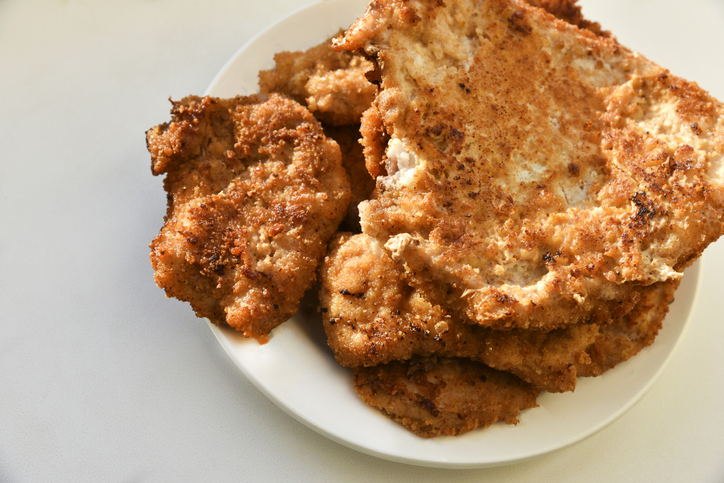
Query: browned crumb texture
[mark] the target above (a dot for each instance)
(531, 173)
(255, 190)
(624, 338)
(372, 316)
(441, 396)
(332, 84)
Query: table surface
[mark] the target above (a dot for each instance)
(103, 379)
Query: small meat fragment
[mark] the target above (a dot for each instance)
(255, 191)
(434, 397)
(332, 84)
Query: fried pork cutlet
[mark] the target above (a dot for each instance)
(372, 316)
(332, 84)
(255, 191)
(624, 338)
(432, 396)
(535, 172)
(335, 88)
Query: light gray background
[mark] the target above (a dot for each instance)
(102, 379)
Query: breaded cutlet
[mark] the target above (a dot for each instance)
(255, 191)
(534, 172)
(444, 396)
(372, 316)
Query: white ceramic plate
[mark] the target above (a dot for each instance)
(298, 372)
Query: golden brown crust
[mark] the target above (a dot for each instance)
(433, 397)
(374, 141)
(624, 338)
(331, 84)
(534, 169)
(255, 190)
(372, 316)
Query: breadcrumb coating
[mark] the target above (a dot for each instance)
(534, 171)
(436, 396)
(372, 316)
(255, 191)
(332, 84)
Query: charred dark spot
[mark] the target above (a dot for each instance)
(484, 378)
(435, 130)
(517, 23)
(430, 406)
(216, 264)
(324, 310)
(503, 298)
(645, 209)
(551, 258)
(697, 130)
(573, 169)
(250, 274)
(346, 292)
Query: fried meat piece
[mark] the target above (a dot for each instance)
(255, 191)
(335, 88)
(624, 338)
(535, 172)
(432, 396)
(332, 84)
(372, 316)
